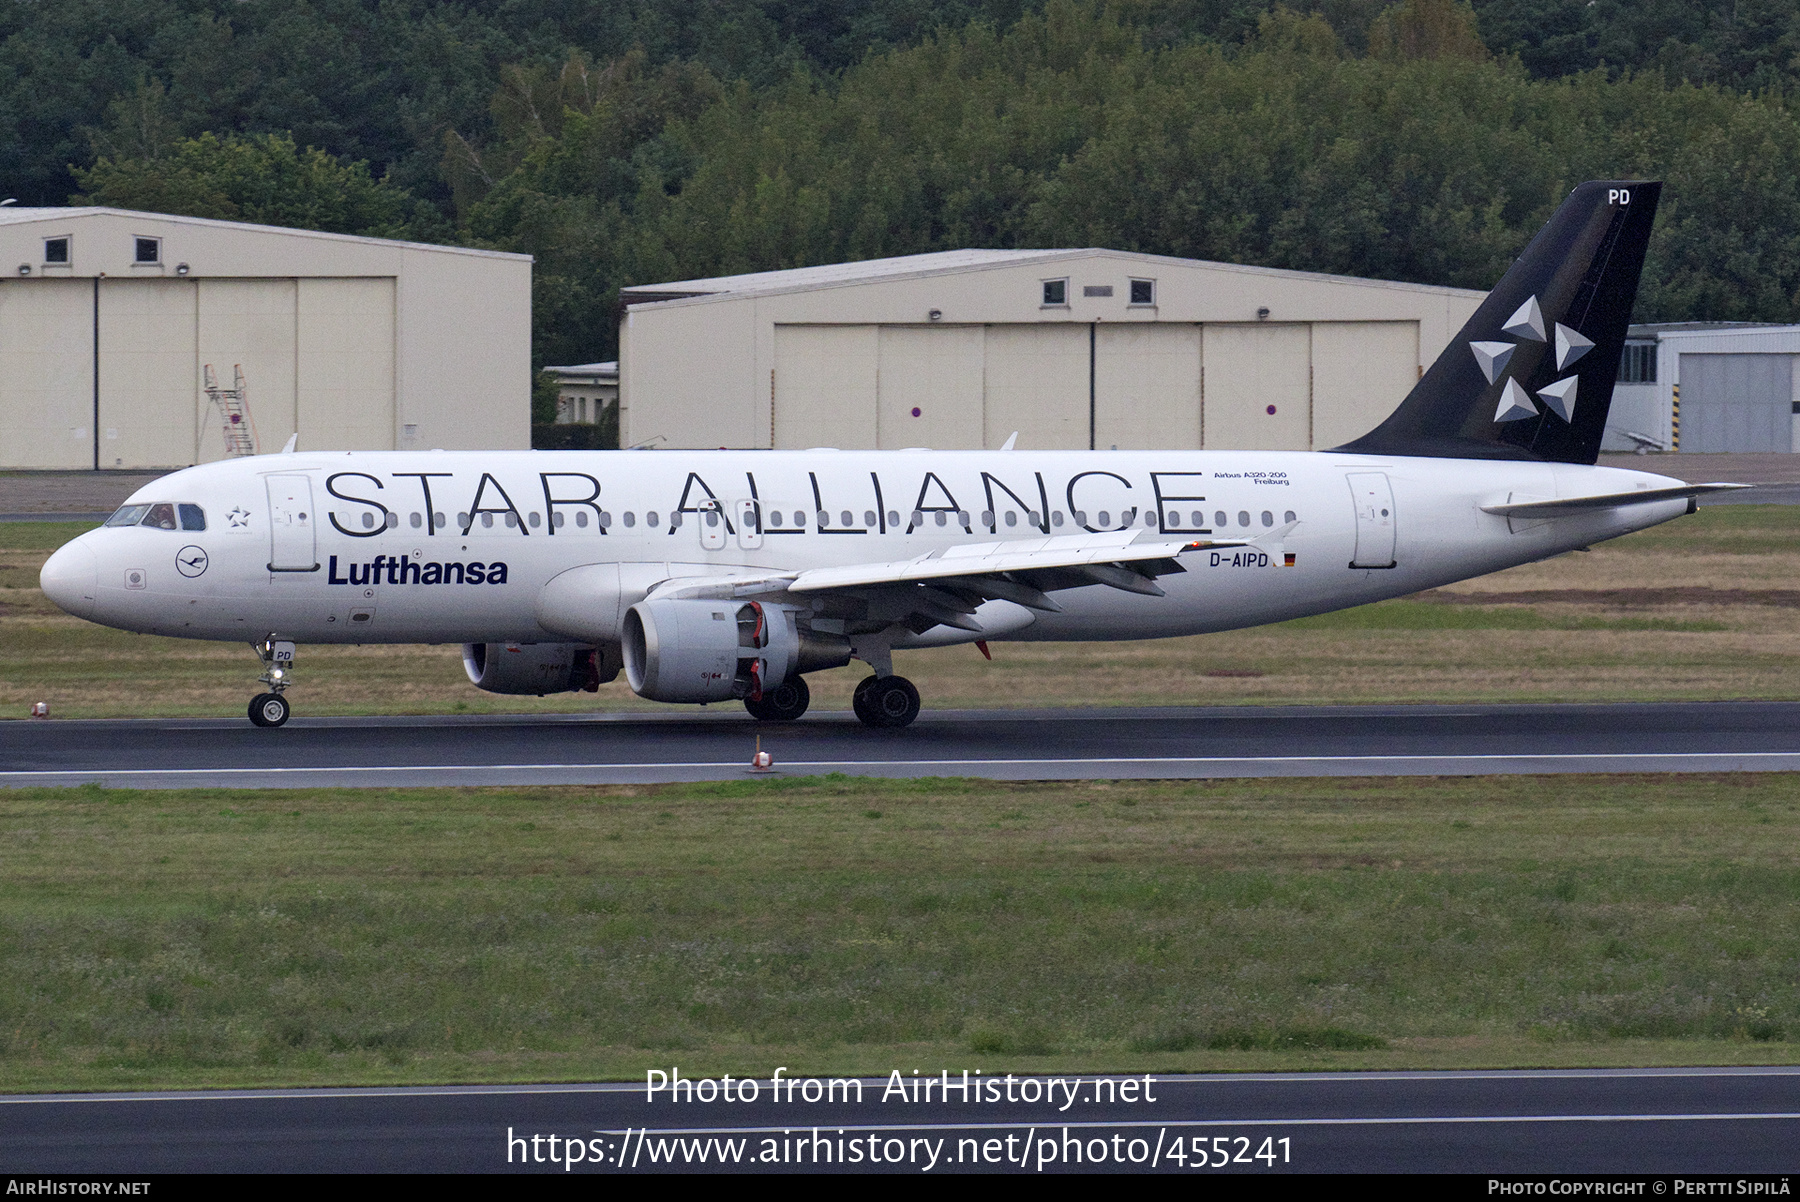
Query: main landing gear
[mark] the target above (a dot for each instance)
(886, 702)
(271, 708)
(782, 703)
(883, 702)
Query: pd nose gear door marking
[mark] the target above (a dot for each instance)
(291, 522)
(1374, 499)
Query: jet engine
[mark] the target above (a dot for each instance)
(689, 650)
(534, 669)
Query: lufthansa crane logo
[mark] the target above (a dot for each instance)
(190, 561)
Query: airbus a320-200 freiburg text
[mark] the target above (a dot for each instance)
(729, 575)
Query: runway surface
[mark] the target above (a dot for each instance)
(1640, 1121)
(1061, 744)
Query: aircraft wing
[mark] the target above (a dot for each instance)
(946, 586)
(1066, 552)
(1567, 505)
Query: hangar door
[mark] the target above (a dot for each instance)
(1072, 385)
(109, 373)
(859, 387)
(824, 387)
(1258, 387)
(249, 323)
(1361, 371)
(47, 373)
(1147, 386)
(148, 375)
(1737, 403)
(344, 356)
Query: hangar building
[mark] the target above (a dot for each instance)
(1071, 348)
(110, 318)
(1707, 386)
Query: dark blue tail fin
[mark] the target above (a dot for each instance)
(1531, 375)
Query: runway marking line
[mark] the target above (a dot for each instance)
(1370, 1121)
(1172, 767)
(1527, 757)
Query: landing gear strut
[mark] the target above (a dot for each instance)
(782, 703)
(271, 708)
(886, 702)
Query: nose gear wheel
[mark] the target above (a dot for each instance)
(268, 709)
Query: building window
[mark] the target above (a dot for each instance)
(1638, 364)
(149, 250)
(1056, 292)
(1143, 292)
(1096, 290)
(56, 250)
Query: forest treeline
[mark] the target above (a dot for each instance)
(649, 140)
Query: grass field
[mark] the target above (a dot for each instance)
(1706, 607)
(210, 938)
(215, 938)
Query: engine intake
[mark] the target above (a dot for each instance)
(536, 669)
(688, 650)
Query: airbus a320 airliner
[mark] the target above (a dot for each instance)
(730, 575)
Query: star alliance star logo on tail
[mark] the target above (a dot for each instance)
(1527, 325)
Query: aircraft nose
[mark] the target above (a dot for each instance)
(71, 578)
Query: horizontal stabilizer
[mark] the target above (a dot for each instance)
(1568, 505)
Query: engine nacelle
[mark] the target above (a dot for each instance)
(535, 669)
(689, 650)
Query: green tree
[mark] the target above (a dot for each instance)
(262, 178)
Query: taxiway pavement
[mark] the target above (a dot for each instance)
(1637, 1121)
(1042, 744)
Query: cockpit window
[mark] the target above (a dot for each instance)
(128, 515)
(160, 516)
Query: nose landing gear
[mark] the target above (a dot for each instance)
(268, 709)
(271, 708)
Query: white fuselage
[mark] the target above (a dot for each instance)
(391, 568)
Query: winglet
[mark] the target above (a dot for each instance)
(1010, 441)
(287, 448)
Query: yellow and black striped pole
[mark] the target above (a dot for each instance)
(1675, 420)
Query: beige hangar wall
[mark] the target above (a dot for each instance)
(47, 374)
(963, 357)
(354, 343)
(1267, 386)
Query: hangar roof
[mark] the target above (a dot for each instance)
(802, 279)
(11, 215)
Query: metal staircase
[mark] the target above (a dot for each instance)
(234, 411)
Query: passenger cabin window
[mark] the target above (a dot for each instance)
(56, 250)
